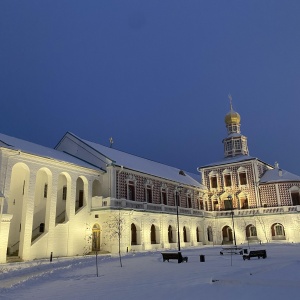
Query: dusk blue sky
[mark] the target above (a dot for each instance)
(154, 75)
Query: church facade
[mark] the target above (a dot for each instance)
(82, 197)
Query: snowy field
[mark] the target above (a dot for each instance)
(145, 276)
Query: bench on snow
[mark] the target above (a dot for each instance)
(174, 255)
(255, 253)
(231, 250)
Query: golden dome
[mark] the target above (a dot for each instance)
(232, 118)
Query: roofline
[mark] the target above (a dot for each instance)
(56, 159)
(202, 186)
(231, 163)
(276, 181)
(78, 138)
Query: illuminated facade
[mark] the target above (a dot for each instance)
(75, 198)
(263, 199)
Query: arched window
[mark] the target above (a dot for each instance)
(251, 233)
(153, 234)
(96, 238)
(278, 232)
(227, 235)
(184, 235)
(209, 234)
(170, 234)
(198, 234)
(133, 235)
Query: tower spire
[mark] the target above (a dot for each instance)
(230, 101)
(235, 143)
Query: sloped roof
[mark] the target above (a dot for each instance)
(230, 160)
(35, 149)
(274, 176)
(143, 165)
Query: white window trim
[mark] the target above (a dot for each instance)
(131, 178)
(165, 188)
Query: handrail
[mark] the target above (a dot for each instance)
(13, 248)
(57, 219)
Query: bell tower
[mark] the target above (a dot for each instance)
(235, 143)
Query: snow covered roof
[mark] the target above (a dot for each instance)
(278, 175)
(143, 165)
(230, 160)
(35, 149)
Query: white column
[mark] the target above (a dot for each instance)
(277, 195)
(27, 218)
(4, 233)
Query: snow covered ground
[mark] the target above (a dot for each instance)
(146, 276)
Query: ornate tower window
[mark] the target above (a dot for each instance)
(242, 175)
(227, 178)
(213, 180)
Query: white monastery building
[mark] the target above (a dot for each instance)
(82, 197)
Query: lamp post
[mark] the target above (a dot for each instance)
(232, 213)
(178, 192)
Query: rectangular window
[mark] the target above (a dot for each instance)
(201, 205)
(237, 144)
(45, 190)
(295, 198)
(228, 205)
(213, 182)
(164, 197)
(244, 203)
(243, 178)
(148, 194)
(227, 180)
(278, 230)
(131, 191)
(229, 146)
(253, 231)
(64, 195)
(189, 201)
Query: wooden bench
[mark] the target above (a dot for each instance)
(231, 250)
(255, 253)
(174, 255)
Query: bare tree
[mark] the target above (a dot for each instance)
(263, 226)
(115, 225)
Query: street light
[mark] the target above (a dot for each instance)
(232, 213)
(178, 192)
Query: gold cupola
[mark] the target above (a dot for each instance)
(232, 117)
(235, 143)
